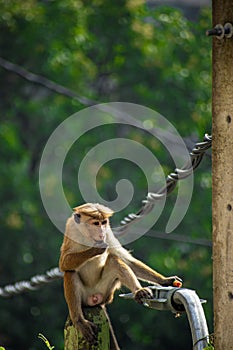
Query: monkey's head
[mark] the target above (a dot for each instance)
(93, 221)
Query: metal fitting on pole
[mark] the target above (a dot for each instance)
(179, 300)
(221, 31)
(197, 322)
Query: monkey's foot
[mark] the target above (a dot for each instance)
(143, 293)
(173, 281)
(89, 330)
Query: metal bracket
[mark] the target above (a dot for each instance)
(179, 300)
(163, 299)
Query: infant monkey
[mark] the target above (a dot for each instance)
(95, 265)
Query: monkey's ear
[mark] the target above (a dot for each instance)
(77, 218)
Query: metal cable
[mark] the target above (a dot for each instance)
(196, 155)
(34, 283)
(179, 174)
(48, 84)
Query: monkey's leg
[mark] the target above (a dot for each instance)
(75, 340)
(73, 289)
(116, 269)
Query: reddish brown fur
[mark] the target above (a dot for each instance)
(99, 266)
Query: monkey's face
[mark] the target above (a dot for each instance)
(92, 230)
(97, 229)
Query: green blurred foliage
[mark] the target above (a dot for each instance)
(108, 51)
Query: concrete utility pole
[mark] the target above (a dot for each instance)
(223, 174)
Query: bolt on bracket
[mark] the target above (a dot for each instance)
(221, 31)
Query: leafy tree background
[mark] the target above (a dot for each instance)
(108, 51)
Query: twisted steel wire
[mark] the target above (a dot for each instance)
(33, 284)
(196, 155)
(51, 275)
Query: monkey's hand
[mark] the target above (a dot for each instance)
(89, 330)
(143, 293)
(173, 281)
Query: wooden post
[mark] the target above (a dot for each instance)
(74, 340)
(223, 179)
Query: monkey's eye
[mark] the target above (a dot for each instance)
(96, 223)
(104, 222)
(77, 218)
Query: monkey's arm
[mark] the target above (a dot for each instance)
(72, 261)
(145, 273)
